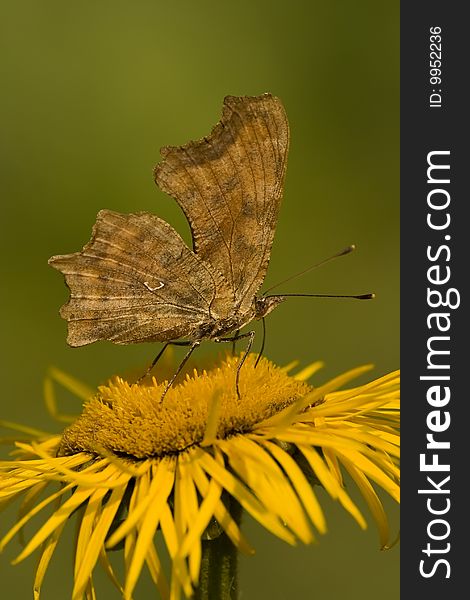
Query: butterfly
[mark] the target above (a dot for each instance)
(136, 280)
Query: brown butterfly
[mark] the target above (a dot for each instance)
(137, 280)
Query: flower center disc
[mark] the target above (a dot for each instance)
(130, 420)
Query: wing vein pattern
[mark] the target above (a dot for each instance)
(136, 280)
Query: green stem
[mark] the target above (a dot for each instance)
(218, 578)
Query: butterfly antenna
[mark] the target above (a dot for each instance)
(353, 296)
(343, 252)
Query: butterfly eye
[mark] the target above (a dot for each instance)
(155, 288)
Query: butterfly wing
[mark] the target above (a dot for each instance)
(136, 281)
(229, 185)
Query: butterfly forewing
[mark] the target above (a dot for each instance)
(229, 186)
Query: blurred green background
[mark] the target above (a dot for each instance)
(90, 91)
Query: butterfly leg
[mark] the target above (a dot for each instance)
(251, 335)
(234, 339)
(194, 345)
(262, 343)
(237, 336)
(159, 355)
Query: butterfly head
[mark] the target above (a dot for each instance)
(266, 304)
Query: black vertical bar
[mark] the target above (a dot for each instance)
(434, 259)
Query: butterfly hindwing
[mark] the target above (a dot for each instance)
(136, 280)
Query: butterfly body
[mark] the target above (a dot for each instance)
(221, 327)
(138, 281)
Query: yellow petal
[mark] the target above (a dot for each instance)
(131, 520)
(85, 528)
(333, 465)
(37, 433)
(244, 497)
(179, 571)
(330, 483)
(310, 370)
(90, 592)
(365, 437)
(213, 417)
(19, 524)
(302, 486)
(186, 504)
(141, 486)
(56, 519)
(222, 515)
(285, 417)
(48, 549)
(202, 517)
(160, 488)
(51, 403)
(290, 366)
(156, 572)
(71, 384)
(98, 536)
(373, 472)
(28, 503)
(262, 474)
(97, 475)
(373, 501)
(108, 569)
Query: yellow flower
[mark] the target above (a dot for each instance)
(132, 467)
